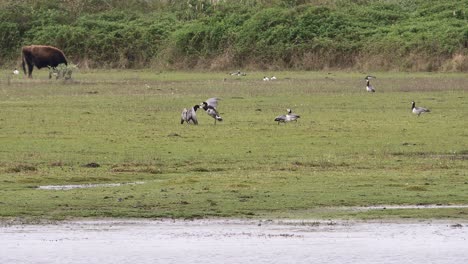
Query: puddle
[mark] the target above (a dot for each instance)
(426, 206)
(235, 241)
(81, 186)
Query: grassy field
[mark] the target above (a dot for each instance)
(349, 148)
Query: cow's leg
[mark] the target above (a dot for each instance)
(24, 66)
(30, 69)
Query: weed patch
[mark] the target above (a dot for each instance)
(21, 168)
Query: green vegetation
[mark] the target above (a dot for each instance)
(417, 35)
(62, 71)
(349, 148)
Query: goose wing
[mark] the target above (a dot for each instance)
(212, 101)
(422, 109)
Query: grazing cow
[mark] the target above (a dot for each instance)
(41, 56)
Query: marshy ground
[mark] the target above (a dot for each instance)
(349, 148)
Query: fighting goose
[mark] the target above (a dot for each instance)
(418, 110)
(369, 87)
(210, 108)
(189, 116)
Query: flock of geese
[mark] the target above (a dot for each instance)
(189, 116)
(210, 105)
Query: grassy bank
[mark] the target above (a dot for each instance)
(349, 148)
(419, 35)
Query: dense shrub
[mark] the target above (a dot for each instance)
(302, 34)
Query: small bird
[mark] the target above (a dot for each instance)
(418, 110)
(273, 78)
(210, 106)
(189, 116)
(369, 87)
(265, 79)
(16, 72)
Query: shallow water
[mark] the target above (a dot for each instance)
(83, 186)
(390, 207)
(234, 241)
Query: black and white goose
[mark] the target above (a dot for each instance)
(287, 118)
(280, 119)
(189, 116)
(292, 117)
(15, 71)
(369, 87)
(418, 110)
(210, 105)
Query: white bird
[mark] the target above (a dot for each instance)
(273, 78)
(189, 116)
(15, 72)
(369, 87)
(210, 105)
(418, 110)
(265, 78)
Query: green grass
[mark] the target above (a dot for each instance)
(349, 148)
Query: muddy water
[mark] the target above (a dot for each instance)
(234, 241)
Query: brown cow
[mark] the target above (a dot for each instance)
(41, 56)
